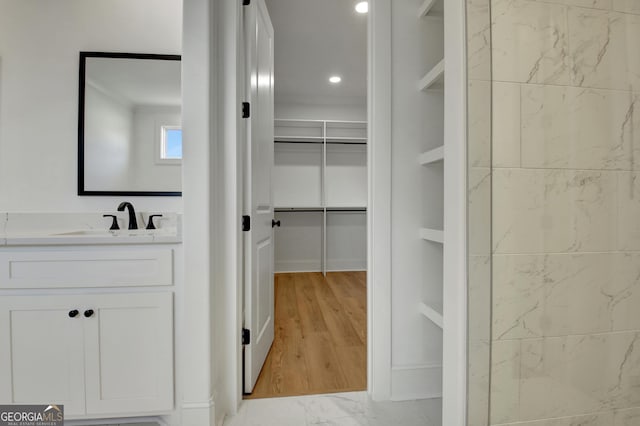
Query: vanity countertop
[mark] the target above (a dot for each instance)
(37, 229)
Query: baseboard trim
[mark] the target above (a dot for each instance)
(313, 266)
(199, 413)
(298, 266)
(416, 382)
(346, 264)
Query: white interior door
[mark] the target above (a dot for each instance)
(259, 302)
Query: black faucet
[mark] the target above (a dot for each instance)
(133, 223)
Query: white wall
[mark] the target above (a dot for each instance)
(148, 173)
(39, 45)
(321, 111)
(109, 126)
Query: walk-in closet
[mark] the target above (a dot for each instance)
(320, 195)
(319, 190)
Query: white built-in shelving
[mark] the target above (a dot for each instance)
(320, 172)
(426, 7)
(432, 156)
(433, 235)
(431, 313)
(434, 78)
(431, 85)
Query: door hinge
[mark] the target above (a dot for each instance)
(246, 2)
(246, 110)
(246, 223)
(246, 336)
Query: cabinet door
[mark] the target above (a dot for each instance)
(129, 354)
(42, 351)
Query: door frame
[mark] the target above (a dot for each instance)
(378, 201)
(230, 300)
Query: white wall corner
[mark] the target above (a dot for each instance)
(455, 224)
(379, 202)
(416, 382)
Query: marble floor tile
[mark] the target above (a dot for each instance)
(342, 409)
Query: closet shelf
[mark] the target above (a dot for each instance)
(433, 235)
(432, 156)
(295, 139)
(434, 78)
(431, 314)
(425, 8)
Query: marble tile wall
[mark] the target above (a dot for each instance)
(479, 209)
(565, 327)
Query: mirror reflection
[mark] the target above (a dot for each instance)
(130, 135)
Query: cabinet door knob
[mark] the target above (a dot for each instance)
(88, 313)
(275, 223)
(74, 313)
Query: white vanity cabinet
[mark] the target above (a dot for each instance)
(104, 350)
(96, 354)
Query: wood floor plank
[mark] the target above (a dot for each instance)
(311, 319)
(320, 336)
(353, 301)
(352, 359)
(323, 365)
(335, 317)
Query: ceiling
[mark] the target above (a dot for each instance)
(137, 81)
(315, 39)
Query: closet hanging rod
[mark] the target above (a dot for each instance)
(319, 209)
(320, 142)
(312, 142)
(298, 210)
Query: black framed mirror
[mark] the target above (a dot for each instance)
(129, 125)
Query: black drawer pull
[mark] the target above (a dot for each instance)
(88, 313)
(74, 313)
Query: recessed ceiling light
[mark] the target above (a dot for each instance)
(362, 7)
(335, 79)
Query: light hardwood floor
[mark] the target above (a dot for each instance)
(320, 343)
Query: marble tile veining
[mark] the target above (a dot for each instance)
(479, 40)
(627, 6)
(574, 375)
(604, 48)
(593, 4)
(479, 205)
(506, 125)
(577, 128)
(553, 211)
(505, 381)
(479, 124)
(628, 210)
(343, 409)
(564, 377)
(565, 209)
(530, 42)
(563, 294)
